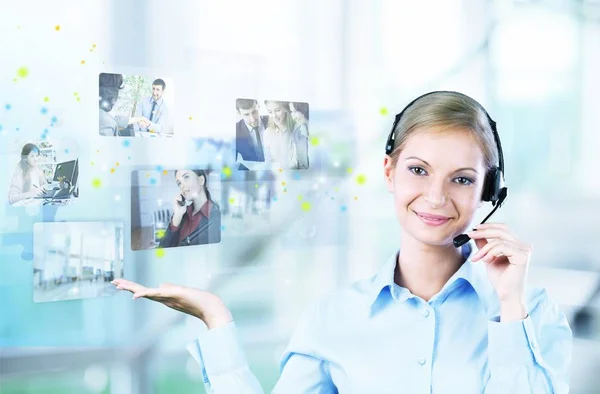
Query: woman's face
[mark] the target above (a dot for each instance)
(277, 113)
(190, 185)
(297, 115)
(438, 173)
(32, 158)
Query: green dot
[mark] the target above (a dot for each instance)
(383, 111)
(256, 185)
(97, 183)
(300, 197)
(231, 200)
(361, 179)
(349, 170)
(306, 206)
(160, 253)
(314, 141)
(227, 172)
(23, 72)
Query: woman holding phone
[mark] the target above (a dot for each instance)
(439, 316)
(196, 217)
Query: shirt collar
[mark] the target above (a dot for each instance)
(471, 273)
(205, 210)
(158, 102)
(250, 128)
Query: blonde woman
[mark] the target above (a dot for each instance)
(28, 179)
(280, 148)
(439, 316)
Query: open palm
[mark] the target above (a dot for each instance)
(204, 305)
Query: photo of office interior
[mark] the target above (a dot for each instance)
(76, 260)
(45, 173)
(298, 235)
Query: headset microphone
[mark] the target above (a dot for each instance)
(494, 190)
(462, 239)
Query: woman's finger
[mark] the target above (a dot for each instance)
(126, 285)
(162, 293)
(495, 233)
(485, 249)
(501, 226)
(511, 251)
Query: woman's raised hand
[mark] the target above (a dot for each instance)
(178, 209)
(206, 306)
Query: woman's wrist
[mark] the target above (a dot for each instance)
(215, 319)
(176, 221)
(512, 310)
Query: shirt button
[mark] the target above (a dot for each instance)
(426, 312)
(421, 361)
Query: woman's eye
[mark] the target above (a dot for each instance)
(464, 181)
(417, 170)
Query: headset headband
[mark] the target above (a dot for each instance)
(492, 123)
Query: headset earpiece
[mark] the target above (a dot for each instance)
(494, 190)
(492, 185)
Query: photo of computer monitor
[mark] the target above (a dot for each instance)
(66, 171)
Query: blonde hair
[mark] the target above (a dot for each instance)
(444, 111)
(289, 122)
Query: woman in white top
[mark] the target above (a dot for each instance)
(279, 145)
(28, 179)
(299, 113)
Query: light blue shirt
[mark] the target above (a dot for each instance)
(160, 118)
(377, 337)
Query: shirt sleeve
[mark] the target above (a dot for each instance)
(225, 369)
(267, 146)
(532, 355)
(15, 191)
(223, 362)
(122, 121)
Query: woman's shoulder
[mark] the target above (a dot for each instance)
(18, 169)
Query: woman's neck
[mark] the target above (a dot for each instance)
(200, 201)
(425, 269)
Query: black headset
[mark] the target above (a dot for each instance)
(494, 190)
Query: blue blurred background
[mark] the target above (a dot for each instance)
(357, 63)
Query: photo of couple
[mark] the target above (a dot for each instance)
(273, 137)
(134, 106)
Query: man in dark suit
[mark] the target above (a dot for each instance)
(249, 132)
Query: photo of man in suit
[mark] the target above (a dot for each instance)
(154, 111)
(249, 132)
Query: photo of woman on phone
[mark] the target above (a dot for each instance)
(196, 217)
